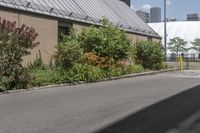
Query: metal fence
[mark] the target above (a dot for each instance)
(186, 57)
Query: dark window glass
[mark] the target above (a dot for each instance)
(63, 29)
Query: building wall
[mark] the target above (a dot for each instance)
(144, 16)
(193, 17)
(46, 28)
(79, 27)
(156, 40)
(155, 14)
(9, 16)
(135, 37)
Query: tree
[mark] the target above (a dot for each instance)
(14, 44)
(196, 46)
(177, 45)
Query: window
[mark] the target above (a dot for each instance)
(150, 38)
(63, 29)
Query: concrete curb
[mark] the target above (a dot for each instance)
(107, 79)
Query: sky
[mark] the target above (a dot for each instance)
(175, 8)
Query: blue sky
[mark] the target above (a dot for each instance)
(175, 9)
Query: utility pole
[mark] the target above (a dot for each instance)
(165, 28)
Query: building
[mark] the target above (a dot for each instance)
(171, 19)
(49, 17)
(193, 17)
(187, 30)
(128, 2)
(145, 16)
(155, 14)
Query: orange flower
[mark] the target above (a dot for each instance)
(96, 60)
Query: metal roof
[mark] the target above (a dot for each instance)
(88, 11)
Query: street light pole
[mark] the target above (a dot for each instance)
(165, 28)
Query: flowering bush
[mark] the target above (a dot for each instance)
(14, 44)
(106, 41)
(103, 62)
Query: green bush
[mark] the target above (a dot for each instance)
(85, 72)
(132, 54)
(114, 72)
(79, 72)
(105, 41)
(68, 52)
(149, 54)
(119, 71)
(37, 63)
(134, 68)
(48, 76)
(14, 44)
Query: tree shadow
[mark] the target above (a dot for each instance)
(160, 117)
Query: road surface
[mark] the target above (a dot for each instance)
(163, 103)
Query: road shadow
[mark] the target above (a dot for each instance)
(161, 117)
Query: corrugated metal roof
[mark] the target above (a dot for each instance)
(89, 11)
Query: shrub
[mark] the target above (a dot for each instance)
(69, 52)
(14, 43)
(48, 76)
(79, 72)
(37, 63)
(102, 62)
(114, 72)
(134, 68)
(149, 54)
(106, 41)
(85, 72)
(132, 54)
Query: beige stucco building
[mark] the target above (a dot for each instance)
(48, 21)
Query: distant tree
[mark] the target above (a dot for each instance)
(196, 45)
(177, 45)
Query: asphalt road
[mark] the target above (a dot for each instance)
(163, 103)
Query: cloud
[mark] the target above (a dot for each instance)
(146, 7)
(168, 2)
(135, 8)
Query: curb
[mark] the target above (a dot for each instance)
(103, 80)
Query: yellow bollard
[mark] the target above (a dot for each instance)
(181, 62)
